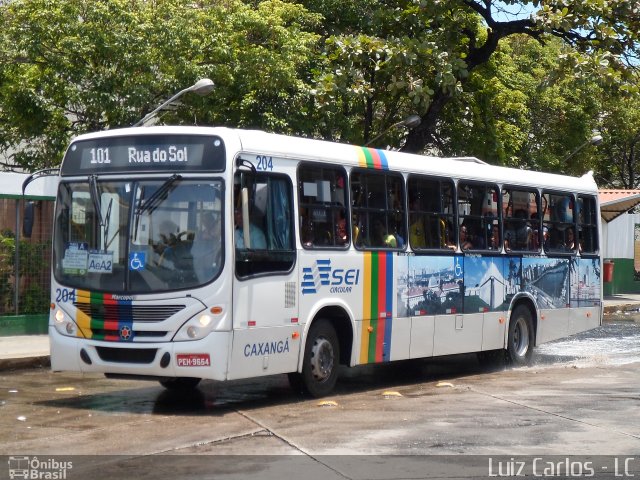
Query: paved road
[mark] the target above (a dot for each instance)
(580, 398)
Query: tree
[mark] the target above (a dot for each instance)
(524, 109)
(619, 162)
(75, 66)
(416, 56)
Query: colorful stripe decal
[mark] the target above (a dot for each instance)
(377, 307)
(110, 319)
(372, 158)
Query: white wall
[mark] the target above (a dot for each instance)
(11, 185)
(617, 236)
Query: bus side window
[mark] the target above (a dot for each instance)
(378, 220)
(558, 220)
(587, 225)
(521, 221)
(322, 204)
(431, 213)
(478, 212)
(271, 223)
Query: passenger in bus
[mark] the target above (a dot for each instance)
(494, 240)
(395, 231)
(519, 236)
(465, 238)
(168, 234)
(556, 239)
(306, 231)
(478, 236)
(207, 246)
(256, 236)
(341, 229)
(380, 237)
(571, 243)
(448, 239)
(416, 230)
(355, 230)
(165, 243)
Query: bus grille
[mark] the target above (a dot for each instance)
(114, 335)
(127, 355)
(132, 313)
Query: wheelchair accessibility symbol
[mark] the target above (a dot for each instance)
(458, 268)
(136, 261)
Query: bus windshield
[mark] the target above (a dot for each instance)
(123, 236)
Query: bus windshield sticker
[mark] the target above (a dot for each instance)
(75, 258)
(137, 261)
(100, 262)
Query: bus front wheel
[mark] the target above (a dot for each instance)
(321, 359)
(180, 384)
(521, 337)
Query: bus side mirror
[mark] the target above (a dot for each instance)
(28, 219)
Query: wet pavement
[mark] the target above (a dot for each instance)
(579, 397)
(614, 343)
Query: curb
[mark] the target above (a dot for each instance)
(622, 317)
(621, 308)
(624, 312)
(8, 364)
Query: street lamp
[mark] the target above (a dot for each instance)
(202, 87)
(412, 121)
(596, 139)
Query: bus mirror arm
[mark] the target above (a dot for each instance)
(241, 163)
(45, 172)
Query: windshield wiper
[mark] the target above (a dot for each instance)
(151, 203)
(95, 197)
(105, 241)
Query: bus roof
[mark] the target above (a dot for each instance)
(468, 168)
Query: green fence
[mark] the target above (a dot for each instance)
(25, 269)
(624, 278)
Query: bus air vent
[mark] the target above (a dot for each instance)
(127, 355)
(128, 312)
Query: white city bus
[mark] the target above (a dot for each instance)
(188, 253)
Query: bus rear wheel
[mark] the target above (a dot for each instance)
(180, 384)
(321, 359)
(521, 339)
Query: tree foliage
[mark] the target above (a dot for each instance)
(75, 66)
(619, 159)
(417, 56)
(519, 83)
(523, 109)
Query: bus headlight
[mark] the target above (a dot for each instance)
(204, 320)
(198, 327)
(63, 323)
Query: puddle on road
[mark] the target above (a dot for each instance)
(610, 344)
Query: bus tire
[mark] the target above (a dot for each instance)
(321, 359)
(521, 339)
(180, 384)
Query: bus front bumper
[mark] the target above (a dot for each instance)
(205, 358)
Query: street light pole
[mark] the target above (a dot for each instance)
(596, 139)
(412, 121)
(202, 87)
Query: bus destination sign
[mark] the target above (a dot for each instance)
(145, 153)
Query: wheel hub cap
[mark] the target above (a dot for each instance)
(322, 359)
